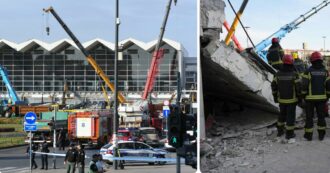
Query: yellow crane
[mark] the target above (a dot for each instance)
(89, 58)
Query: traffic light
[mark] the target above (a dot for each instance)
(175, 128)
(51, 124)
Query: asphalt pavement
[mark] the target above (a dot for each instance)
(15, 160)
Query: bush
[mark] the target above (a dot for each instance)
(11, 120)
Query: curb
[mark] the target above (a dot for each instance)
(13, 146)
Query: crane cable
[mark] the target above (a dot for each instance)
(247, 34)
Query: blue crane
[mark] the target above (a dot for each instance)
(281, 33)
(11, 91)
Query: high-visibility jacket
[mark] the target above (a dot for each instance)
(286, 86)
(316, 84)
(275, 54)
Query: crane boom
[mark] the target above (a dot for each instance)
(157, 55)
(89, 58)
(281, 33)
(11, 91)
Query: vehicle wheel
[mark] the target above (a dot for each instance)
(161, 162)
(151, 163)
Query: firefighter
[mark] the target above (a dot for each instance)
(316, 91)
(286, 88)
(275, 54)
(299, 65)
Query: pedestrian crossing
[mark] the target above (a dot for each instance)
(14, 170)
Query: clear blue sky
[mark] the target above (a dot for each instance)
(22, 20)
(266, 17)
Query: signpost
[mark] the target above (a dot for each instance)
(29, 126)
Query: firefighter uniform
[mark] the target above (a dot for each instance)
(316, 91)
(286, 88)
(275, 54)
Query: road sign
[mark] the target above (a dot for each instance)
(30, 127)
(166, 113)
(166, 102)
(166, 108)
(30, 118)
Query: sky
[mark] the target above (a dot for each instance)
(266, 17)
(22, 20)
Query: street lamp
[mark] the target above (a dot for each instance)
(247, 38)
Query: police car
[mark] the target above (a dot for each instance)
(133, 149)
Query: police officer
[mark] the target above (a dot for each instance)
(70, 159)
(62, 139)
(44, 157)
(33, 155)
(92, 168)
(286, 88)
(275, 54)
(81, 159)
(316, 90)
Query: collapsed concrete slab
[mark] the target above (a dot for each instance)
(232, 77)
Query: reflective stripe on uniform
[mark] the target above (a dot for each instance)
(280, 123)
(290, 127)
(294, 100)
(316, 97)
(309, 130)
(321, 128)
(276, 62)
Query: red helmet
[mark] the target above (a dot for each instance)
(275, 40)
(316, 56)
(287, 59)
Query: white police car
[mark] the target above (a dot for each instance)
(133, 149)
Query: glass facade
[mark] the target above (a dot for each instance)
(37, 70)
(190, 70)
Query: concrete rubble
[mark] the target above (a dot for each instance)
(238, 102)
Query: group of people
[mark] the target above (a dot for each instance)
(294, 84)
(75, 158)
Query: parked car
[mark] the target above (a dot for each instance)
(150, 136)
(133, 149)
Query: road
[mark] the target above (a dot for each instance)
(14, 160)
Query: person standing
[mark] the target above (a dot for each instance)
(275, 54)
(33, 155)
(44, 157)
(286, 88)
(81, 159)
(70, 159)
(62, 139)
(299, 65)
(316, 91)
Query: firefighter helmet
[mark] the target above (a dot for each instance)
(316, 56)
(275, 40)
(287, 59)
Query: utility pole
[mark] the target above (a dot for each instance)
(116, 118)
